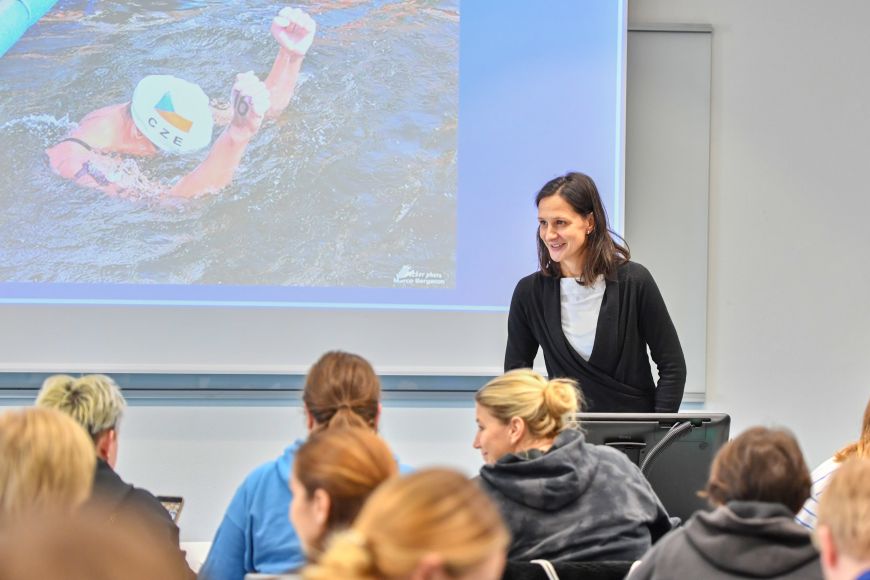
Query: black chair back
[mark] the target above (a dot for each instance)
(568, 571)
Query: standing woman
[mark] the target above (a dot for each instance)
(592, 311)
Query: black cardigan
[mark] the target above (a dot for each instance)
(617, 377)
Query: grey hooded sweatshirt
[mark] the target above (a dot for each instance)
(737, 540)
(576, 502)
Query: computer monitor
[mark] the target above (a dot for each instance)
(673, 450)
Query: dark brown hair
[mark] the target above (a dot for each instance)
(348, 464)
(603, 253)
(760, 465)
(342, 390)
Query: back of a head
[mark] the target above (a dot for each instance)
(46, 463)
(845, 509)
(347, 463)
(434, 511)
(94, 401)
(546, 406)
(342, 390)
(82, 547)
(761, 464)
(861, 447)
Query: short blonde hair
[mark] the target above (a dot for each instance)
(46, 463)
(845, 508)
(546, 406)
(431, 511)
(94, 401)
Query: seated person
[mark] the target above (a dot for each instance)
(843, 531)
(81, 546)
(431, 524)
(172, 115)
(46, 465)
(341, 390)
(334, 472)
(758, 481)
(96, 403)
(821, 475)
(562, 498)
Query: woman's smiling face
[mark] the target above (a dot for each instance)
(564, 233)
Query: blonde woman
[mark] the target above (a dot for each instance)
(822, 474)
(432, 524)
(46, 464)
(562, 498)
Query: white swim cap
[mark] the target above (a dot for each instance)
(173, 113)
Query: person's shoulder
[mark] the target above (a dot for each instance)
(143, 500)
(262, 473)
(824, 469)
(530, 280)
(534, 282)
(673, 545)
(633, 271)
(116, 495)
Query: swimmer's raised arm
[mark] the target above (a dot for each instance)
(294, 31)
(221, 112)
(250, 99)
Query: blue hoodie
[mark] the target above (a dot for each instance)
(256, 534)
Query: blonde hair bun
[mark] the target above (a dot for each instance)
(560, 398)
(546, 407)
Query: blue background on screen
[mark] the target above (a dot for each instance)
(540, 94)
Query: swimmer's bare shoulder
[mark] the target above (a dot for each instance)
(85, 153)
(95, 133)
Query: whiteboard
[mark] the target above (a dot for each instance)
(667, 179)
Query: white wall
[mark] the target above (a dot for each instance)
(788, 326)
(202, 452)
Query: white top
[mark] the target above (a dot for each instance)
(821, 477)
(580, 308)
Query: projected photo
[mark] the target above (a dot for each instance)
(204, 143)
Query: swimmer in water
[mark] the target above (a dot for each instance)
(173, 115)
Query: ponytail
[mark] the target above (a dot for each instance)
(342, 390)
(346, 417)
(348, 558)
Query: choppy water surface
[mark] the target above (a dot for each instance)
(354, 182)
